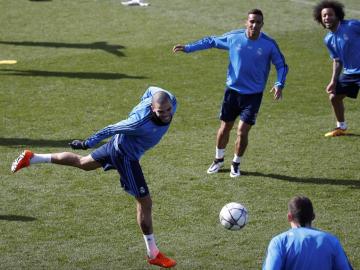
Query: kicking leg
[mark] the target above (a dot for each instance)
(86, 163)
(27, 158)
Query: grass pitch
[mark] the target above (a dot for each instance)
(82, 65)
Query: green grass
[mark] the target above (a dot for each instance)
(84, 64)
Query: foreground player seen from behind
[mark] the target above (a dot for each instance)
(251, 53)
(303, 247)
(130, 139)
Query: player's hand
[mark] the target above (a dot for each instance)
(330, 89)
(277, 92)
(77, 144)
(178, 48)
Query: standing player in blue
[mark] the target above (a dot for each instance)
(251, 53)
(304, 247)
(343, 43)
(130, 139)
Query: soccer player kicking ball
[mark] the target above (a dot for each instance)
(130, 139)
(343, 43)
(251, 53)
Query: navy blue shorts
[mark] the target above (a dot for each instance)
(131, 176)
(348, 85)
(236, 104)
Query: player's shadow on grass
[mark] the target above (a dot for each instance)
(72, 75)
(101, 45)
(34, 142)
(306, 180)
(16, 218)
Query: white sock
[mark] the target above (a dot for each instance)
(40, 158)
(152, 249)
(341, 125)
(219, 153)
(236, 158)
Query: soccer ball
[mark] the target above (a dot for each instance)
(233, 216)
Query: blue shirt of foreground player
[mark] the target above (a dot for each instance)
(305, 248)
(344, 44)
(139, 132)
(250, 60)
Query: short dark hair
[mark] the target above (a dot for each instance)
(336, 6)
(161, 97)
(301, 209)
(256, 12)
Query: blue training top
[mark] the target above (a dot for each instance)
(250, 60)
(139, 132)
(305, 249)
(344, 45)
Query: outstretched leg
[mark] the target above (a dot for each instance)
(86, 163)
(28, 158)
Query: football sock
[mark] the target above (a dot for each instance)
(152, 249)
(40, 158)
(341, 125)
(219, 153)
(236, 158)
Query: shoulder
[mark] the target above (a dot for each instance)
(141, 112)
(267, 39)
(328, 37)
(350, 22)
(280, 238)
(235, 33)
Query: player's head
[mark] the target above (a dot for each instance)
(329, 13)
(301, 211)
(161, 106)
(254, 23)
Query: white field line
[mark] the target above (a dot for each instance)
(304, 2)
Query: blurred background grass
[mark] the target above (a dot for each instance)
(84, 64)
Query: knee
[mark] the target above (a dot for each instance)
(335, 98)
(83, 164)
(145, 204)
(224, 130)
(243, 134)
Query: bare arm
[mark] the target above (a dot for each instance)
(337, 68)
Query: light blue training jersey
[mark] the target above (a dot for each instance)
(139, 132)
(344, 44)
(305, 249)
(250, 60)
